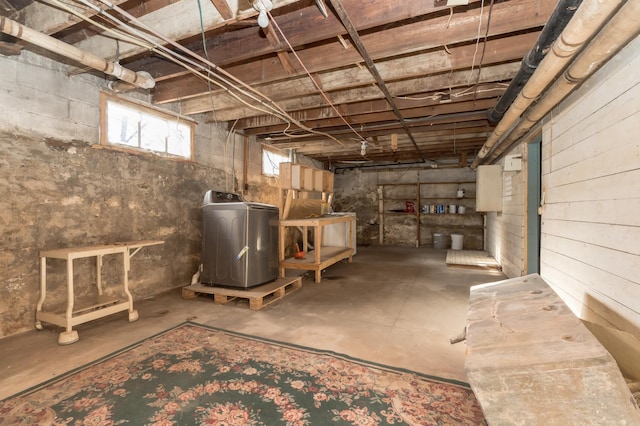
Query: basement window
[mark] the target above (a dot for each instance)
(271, 159)
(128, 124)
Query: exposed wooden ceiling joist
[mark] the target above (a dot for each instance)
(443, 68)
(413, 38)
(440, 82)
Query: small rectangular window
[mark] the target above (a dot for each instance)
(131, 125)
(271, 159)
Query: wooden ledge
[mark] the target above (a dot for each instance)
(530, 361)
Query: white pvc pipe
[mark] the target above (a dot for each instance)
(15, 29)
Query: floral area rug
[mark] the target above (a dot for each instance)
(197, 375)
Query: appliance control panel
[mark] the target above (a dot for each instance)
(221, 197)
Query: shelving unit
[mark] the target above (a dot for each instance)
(392, 197)
(306, 194)
(389, 205)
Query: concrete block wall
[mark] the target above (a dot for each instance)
(36, 94)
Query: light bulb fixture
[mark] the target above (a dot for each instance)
(263, 6)
(363, 148)
(263, 19)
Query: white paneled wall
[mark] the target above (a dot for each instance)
(590, 250)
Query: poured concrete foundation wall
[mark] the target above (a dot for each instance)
(357, 191)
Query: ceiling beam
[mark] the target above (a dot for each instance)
(503, 72)
(303, 27)
(383, 114)
(448, 113)
(223, 8)
(422, 124)
(432, 136)
(283, 56)
(435, 61)
(440, 153)
(177, 21)
(371, 66)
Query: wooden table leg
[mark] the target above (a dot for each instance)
(69, 336)
(126, 263)
(43, 290)
(281, 239)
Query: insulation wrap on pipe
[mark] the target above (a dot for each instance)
(15, 29)
(618, 31)
(586, 21)
(561, 15)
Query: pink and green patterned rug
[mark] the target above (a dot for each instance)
(198, 375)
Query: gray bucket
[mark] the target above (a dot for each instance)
(439, 241)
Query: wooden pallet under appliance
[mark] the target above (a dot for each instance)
(258, 297)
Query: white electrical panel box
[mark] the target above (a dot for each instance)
(513, 163)
(489, 189)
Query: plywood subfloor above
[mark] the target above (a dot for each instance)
(471, 259)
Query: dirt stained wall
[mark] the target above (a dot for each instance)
(56, 194)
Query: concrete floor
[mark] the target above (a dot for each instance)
(397, 306)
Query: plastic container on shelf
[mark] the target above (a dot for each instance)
(439, 241)
(457, 241)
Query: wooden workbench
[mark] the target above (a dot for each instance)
(98, 306)
(306, 195)
(321, 257)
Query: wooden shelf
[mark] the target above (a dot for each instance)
(323, 256)
(401, 213)
(329, 255)
(428, 193)
(446, 214)
(328, 219)
(445, 198)
(457, 226)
